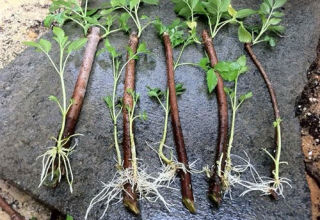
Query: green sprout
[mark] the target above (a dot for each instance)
(57, 155)
(131, 9)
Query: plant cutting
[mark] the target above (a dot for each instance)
(59, 153)
(219, 14)
(86, 19)
(131, 10)
(174, 33)
(142, 184)
(270, 15)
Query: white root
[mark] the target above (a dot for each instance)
(54, 159)
(265, 185)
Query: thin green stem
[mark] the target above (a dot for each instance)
(190, 64)
(180, 55)
(165, 128)
(265, 27)
(278, 153)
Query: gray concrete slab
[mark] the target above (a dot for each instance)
(28, 119)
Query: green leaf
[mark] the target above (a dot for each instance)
(224, 5)
(242, 60)
(204, 63)
(274, 21)
(45, 45)
(245, 96)
(69, 217)
(110, 48)
(279, 3)
(180, 89)
(243, 35)
(32, 44)
(279, 29)
(77, 44)
(53, 98)
(278, 14)
(243, 13)
(212, 80)
(144, 116)
(151, 2)
(108, 101)
(142, 48)
(264, 8)
(133, 3)
(156, 92)
(58, 32)
(124, 21)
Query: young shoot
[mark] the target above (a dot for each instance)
(270, 15)
(231, 71)
(162, 97)
(146, 185)
(178, 37)
(62, 11)
(56, 159)
(131, 9)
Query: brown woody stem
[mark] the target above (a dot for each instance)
(215, 183)
(14, 215)
(186, 186)
(129, 194)
(81, 84)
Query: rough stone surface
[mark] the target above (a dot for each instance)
(28, 119)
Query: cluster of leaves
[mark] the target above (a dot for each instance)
(270, 16)
(131, 8)
(179, 35)
(228, 70)
(62, 11)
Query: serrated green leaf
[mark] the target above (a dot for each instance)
(245, 96)
(278, 14)
(133, 3)
(264, 8)
(212, 80)
(204, 63)
(108, 101)
(279, 29)
(274, 21)
(180, 89)
(32, 44)
(69, 217)
(242, 60)
(224, 5)
(45, 45)
(110, 48)
(142, 48)
(77, 44)
(243, 35)
(124, 21)
(243, 13)
(279, 3)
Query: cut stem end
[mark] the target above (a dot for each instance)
(132, 206)
(189, 205)
(215, 198)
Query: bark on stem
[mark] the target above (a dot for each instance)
(248, 48)
(81, 84)
(129, 194)
(186, 186)
(14, 215)
(215, 182)
(274, 101)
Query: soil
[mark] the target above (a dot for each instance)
(308, 110)
(20, 20)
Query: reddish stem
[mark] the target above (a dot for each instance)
(14, 215)
(81, 84)
(215, 183)
(186, 186)
(129, 194)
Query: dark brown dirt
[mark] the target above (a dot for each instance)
(308, 110)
